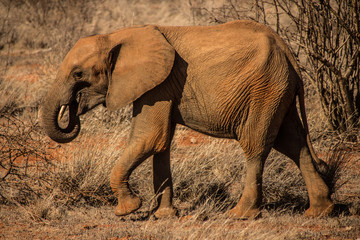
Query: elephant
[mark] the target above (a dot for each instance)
(237, 80)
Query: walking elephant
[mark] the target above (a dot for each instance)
(237, 80)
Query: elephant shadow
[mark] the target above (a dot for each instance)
(218, 197)
(298, 206)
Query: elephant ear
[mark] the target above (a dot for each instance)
(140, 61)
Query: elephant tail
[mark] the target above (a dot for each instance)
(320, 165)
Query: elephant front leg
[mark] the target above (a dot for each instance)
(127, 201)
(163, 184)
(150, 134)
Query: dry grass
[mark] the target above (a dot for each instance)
(46, 188)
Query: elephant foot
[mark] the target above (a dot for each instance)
(320, 210)
(249, 214)
(127, 205)
(165, 212)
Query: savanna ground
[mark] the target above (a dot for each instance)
(53, 191)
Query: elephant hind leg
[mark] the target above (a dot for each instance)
(249, 205)
(256, 146)
(256, 139)
(291, 141)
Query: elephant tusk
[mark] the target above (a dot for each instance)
(61, 112)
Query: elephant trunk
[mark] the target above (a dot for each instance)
(51, 114)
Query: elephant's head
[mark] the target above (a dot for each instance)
(112, 69)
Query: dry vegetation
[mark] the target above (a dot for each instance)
(57, 191)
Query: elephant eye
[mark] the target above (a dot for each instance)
(78, 75)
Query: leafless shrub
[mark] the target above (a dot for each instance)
(18, 145)
(328, 34)
(22, 152)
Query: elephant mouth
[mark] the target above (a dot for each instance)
(81, 106)
(86, 101)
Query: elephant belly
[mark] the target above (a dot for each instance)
(201, 113)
